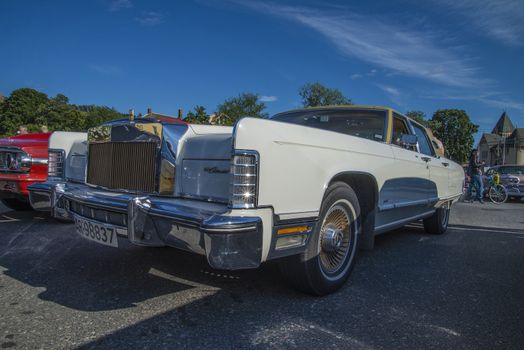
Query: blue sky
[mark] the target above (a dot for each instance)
(408, 54)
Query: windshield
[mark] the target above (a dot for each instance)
(367, 124)
(514, 170)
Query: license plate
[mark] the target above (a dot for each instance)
(100, 233)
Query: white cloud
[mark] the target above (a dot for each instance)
(265, 98)
(379, 42)
(117, 5)
(395, 95)
(104, 68)
(355, 76)
(494, 99)
(389, 89)
(499, 19)
(151, 18)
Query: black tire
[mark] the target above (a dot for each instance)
(437, 224)
(16, 204)
(498, 194)
(340, 219)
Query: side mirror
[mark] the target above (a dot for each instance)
(409, 140)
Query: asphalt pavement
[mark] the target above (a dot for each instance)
(461, 290)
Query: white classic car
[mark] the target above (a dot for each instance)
(66, 162)
(307, 187)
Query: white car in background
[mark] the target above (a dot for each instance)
(66, 162)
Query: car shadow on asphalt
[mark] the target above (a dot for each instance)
(83, 275)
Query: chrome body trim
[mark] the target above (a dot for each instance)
(419, 202)
(39, 161)
(399, 223)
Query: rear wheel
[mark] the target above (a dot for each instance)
(437, 224)
(16, 204)
(330, 255)
(498, 194)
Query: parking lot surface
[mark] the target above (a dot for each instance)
(462, 290)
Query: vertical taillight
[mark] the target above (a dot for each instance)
(55, 164)
(244, 170)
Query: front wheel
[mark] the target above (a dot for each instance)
(330, 255)
(498, 194)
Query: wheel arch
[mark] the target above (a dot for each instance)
(361, 182)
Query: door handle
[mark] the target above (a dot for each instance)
(426, 159)
(445, 163)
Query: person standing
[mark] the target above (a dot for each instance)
(475, 173)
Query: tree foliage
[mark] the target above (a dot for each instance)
(198, 116)
(316, 94)
(245, 104)
(418, 116)
(35, 109)
(455, 129)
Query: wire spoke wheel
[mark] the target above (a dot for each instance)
(498, 194)
(335, 239)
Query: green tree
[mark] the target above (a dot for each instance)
(22, 107)
(417, 116)
(198, 116)
(316, 94)
(35, 109)
(96, 115)
(245, 104)
(455, 129)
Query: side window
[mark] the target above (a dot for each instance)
(369, 127)
(423, 140)
(400, 128)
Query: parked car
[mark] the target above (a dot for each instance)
(511, 176)
(306, 187)
(23, 161)
(67, 162)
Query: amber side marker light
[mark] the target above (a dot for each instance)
(297, 229)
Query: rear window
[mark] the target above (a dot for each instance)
(368, 124)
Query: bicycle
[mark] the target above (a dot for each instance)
(497, 192)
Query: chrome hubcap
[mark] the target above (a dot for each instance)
(335, 239)
(332, 239)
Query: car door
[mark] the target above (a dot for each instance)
(438, 167)
(405, 194)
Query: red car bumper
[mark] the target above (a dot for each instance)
(15, 185)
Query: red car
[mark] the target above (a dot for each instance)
(23, 161)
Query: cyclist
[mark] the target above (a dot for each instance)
(475, 173)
